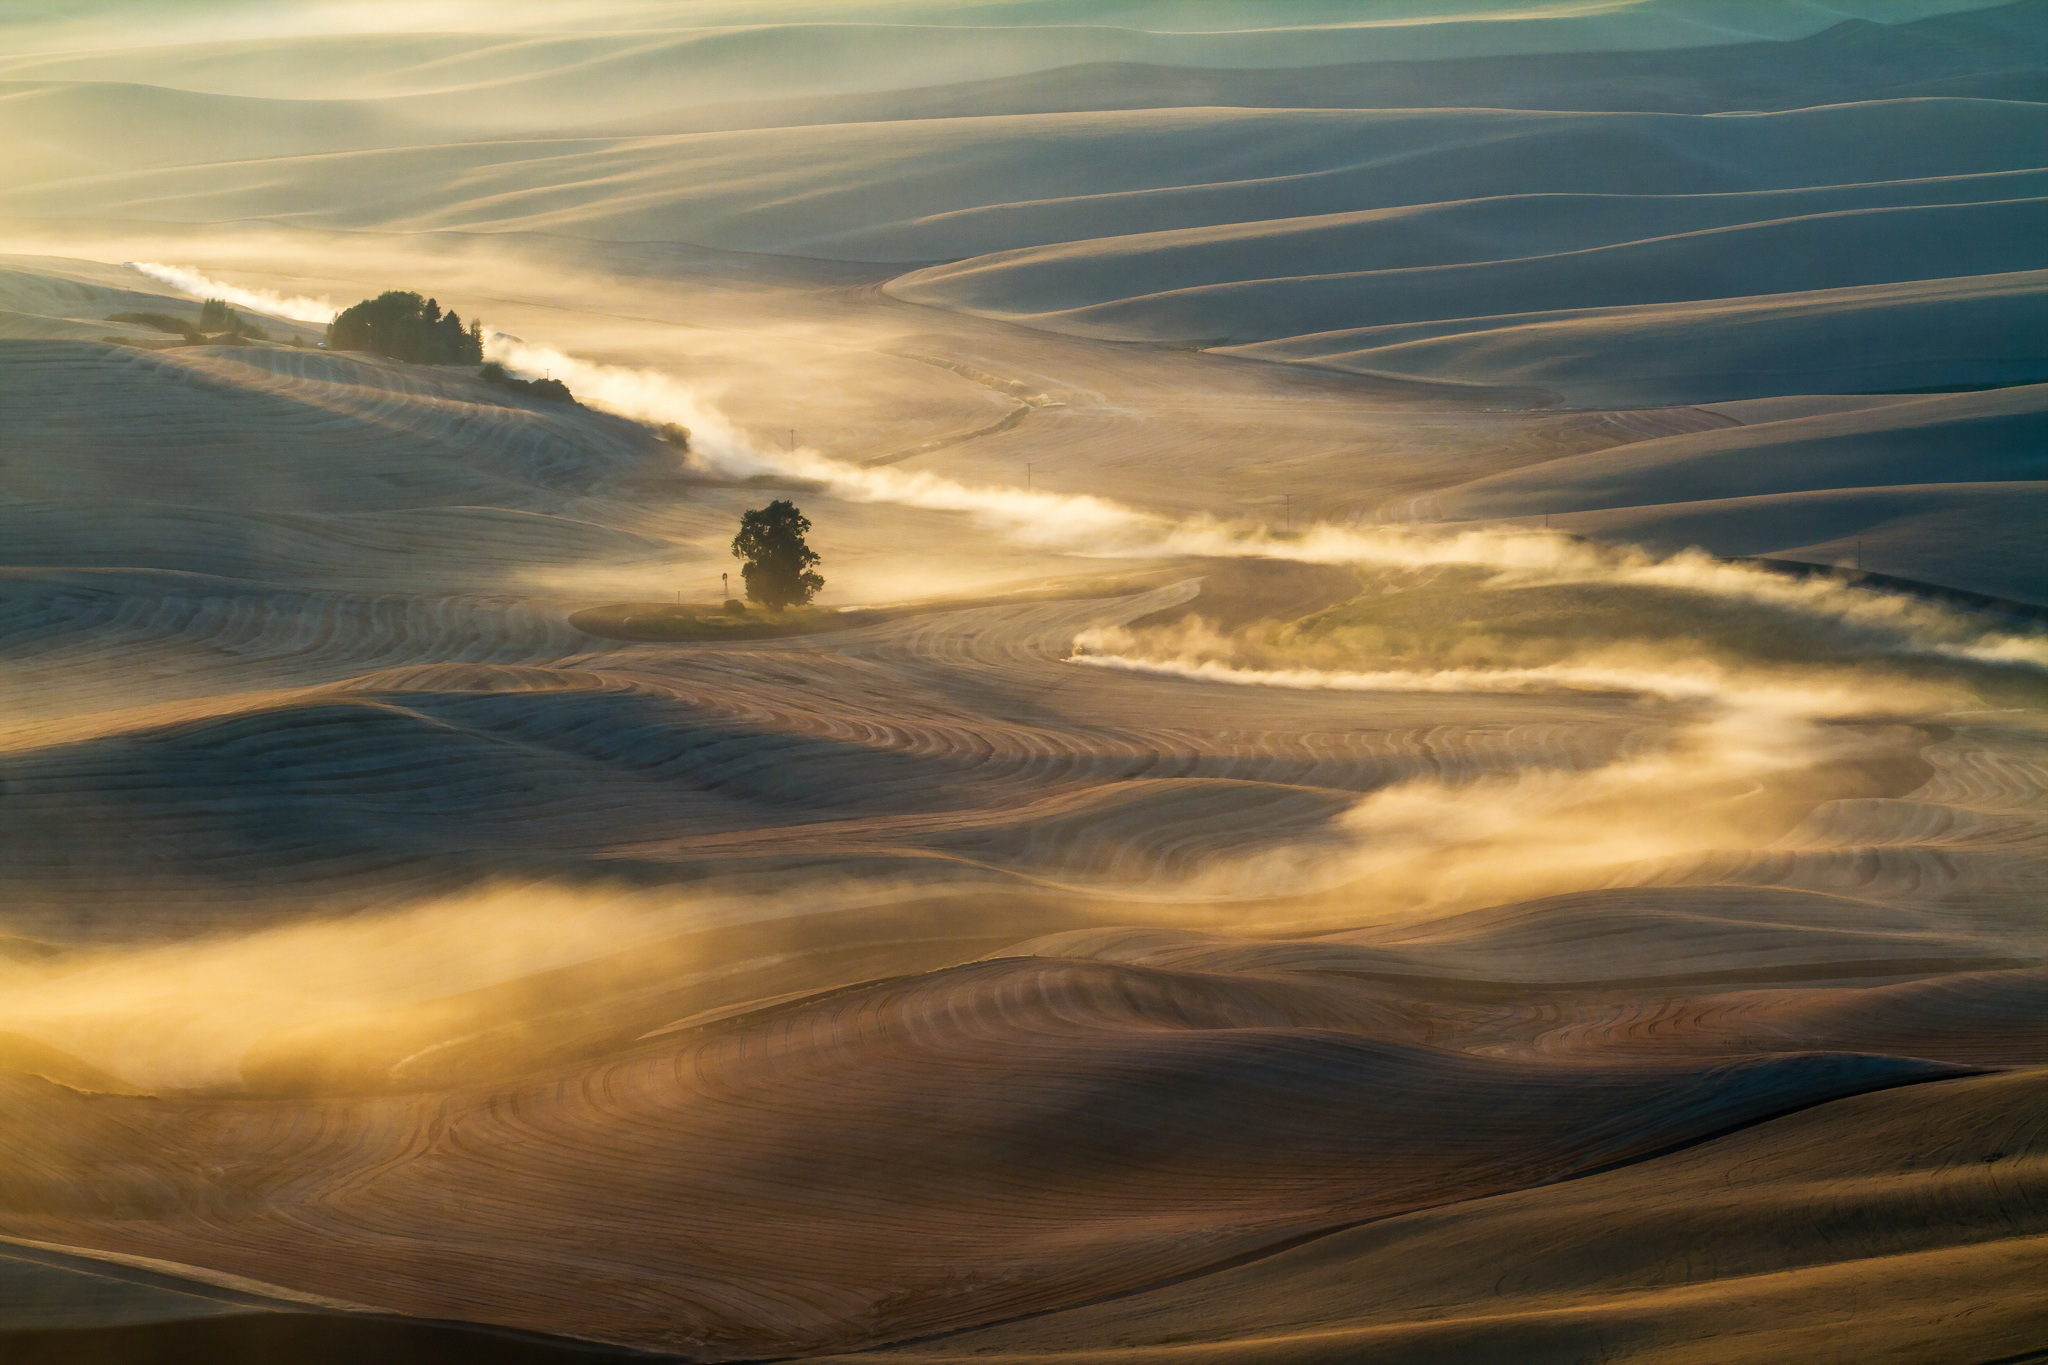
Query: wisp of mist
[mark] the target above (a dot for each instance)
(1718, 732)
(1086, 525)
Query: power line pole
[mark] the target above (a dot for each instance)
(1027, 476)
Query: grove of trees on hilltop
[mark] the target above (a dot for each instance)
(216, 318)
(162, 322)
(401, 325)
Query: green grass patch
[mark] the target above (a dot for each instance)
(666, 621)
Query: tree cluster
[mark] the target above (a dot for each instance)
(401, 325)
(554, 390)
(217, 319)
(776, 563)
(162, 322)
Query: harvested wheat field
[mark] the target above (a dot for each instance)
(1424, 738)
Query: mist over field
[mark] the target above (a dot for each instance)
(1422, 737)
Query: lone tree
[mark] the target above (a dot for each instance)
(403, 326)
(776, 563)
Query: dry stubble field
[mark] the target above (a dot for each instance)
(1228, 929)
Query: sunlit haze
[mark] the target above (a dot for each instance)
(1062, 681)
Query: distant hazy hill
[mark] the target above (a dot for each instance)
(1529, 196)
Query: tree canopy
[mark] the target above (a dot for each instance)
(217, 319)
(553, 390)
(776, 563)
(162, 322)
(403, 326)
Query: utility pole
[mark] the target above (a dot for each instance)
(1027, 476)
(1287, 511)
(792, 440)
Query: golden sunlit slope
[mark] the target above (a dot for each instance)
(1456, 260)
(1410, 240)
(1916, 439)
(1979, 537)
(1992, 53)
(62, 130)
(1358, 236)
(1945, 488)
(1864, 288)
(1592, 228)
(285, 465)
(1085, 1113)
(895, 753)
(1907, 1225)
(793, 1133)
(883, 1162)
(1183, 915)
(72, 127)
(961, 187)
(747, 49)
(230, 565)
(60, 298)
(1939, 333)
(1076, 1115)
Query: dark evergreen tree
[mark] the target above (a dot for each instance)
(455, 338)
(775, 561)
(402, 325)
